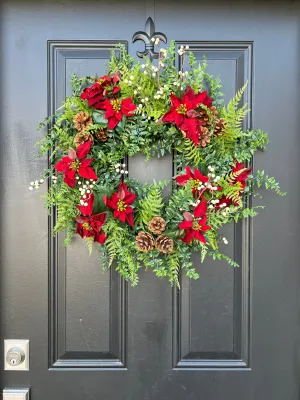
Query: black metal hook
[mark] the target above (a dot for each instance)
(147, 37)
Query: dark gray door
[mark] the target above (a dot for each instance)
(233, 334)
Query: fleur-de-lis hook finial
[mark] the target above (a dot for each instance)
(147, 37)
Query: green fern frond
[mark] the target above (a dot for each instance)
(174, 266)
(191, 153)
(204, 250)
(234, 117)
(149, 207)
(89, 240)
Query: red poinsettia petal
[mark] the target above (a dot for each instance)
(109, 109)
(189, 236)
(187, 102)
(170, 116)
(87, 172)
(100, 237)
(122, 189)
(130, 219)
(188, 216)
(176, 102)
(69, 178)
(116, 77)
(185, 224)
(199, 176)
(128, 107)
(199, 236)
(101, 217)
(128, 210)
(116, 89)
(202, 222)
(182, 179)
(81, 219)
(200, 209)
(87, 210)
(63, 165)
(100, 105)
(117, 213)
(112, 122)
(86, 162)
(72, 154)
(83, 149)
(85, 94)
(178, 119)
(129, 198)
(122, 216)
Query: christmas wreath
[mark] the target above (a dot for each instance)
(154, 110)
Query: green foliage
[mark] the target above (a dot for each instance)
(269, 182)
(150, 205)
(234, 116)
(150, 85)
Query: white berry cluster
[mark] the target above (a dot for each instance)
(129, 81)
(120, 169)
(54, 179)
(182, 74)
(225, 241)
(213, 203)
(213, 178)
(183, 50)
(36, 184)
(85, 188)
(155, 41)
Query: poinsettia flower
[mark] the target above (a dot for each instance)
(90, 226)
(241, 177)
(183, 114)
(235, 178)
(195, 224)
(116, 108)
(121, 202)
(95, 95)
(76, 162)
(196, 177)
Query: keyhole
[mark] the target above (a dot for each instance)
(13, 361)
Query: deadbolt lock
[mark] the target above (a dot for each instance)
(15, 356)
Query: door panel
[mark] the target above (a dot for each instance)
(233, 334)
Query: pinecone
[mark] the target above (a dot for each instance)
(101, 135)
(204, 138)
(157, 225)
(204, 117)
(144, 242)
(219, 126)
(164, 244)
(82, 120)
(82, 137)
(213, 111)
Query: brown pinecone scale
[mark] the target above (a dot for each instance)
(144, 242)
(101, 135)
(157, 225)
(164, 244)
(204, 138)
(82, 120)
(207, 116)
(219, 126)
(82, 137)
